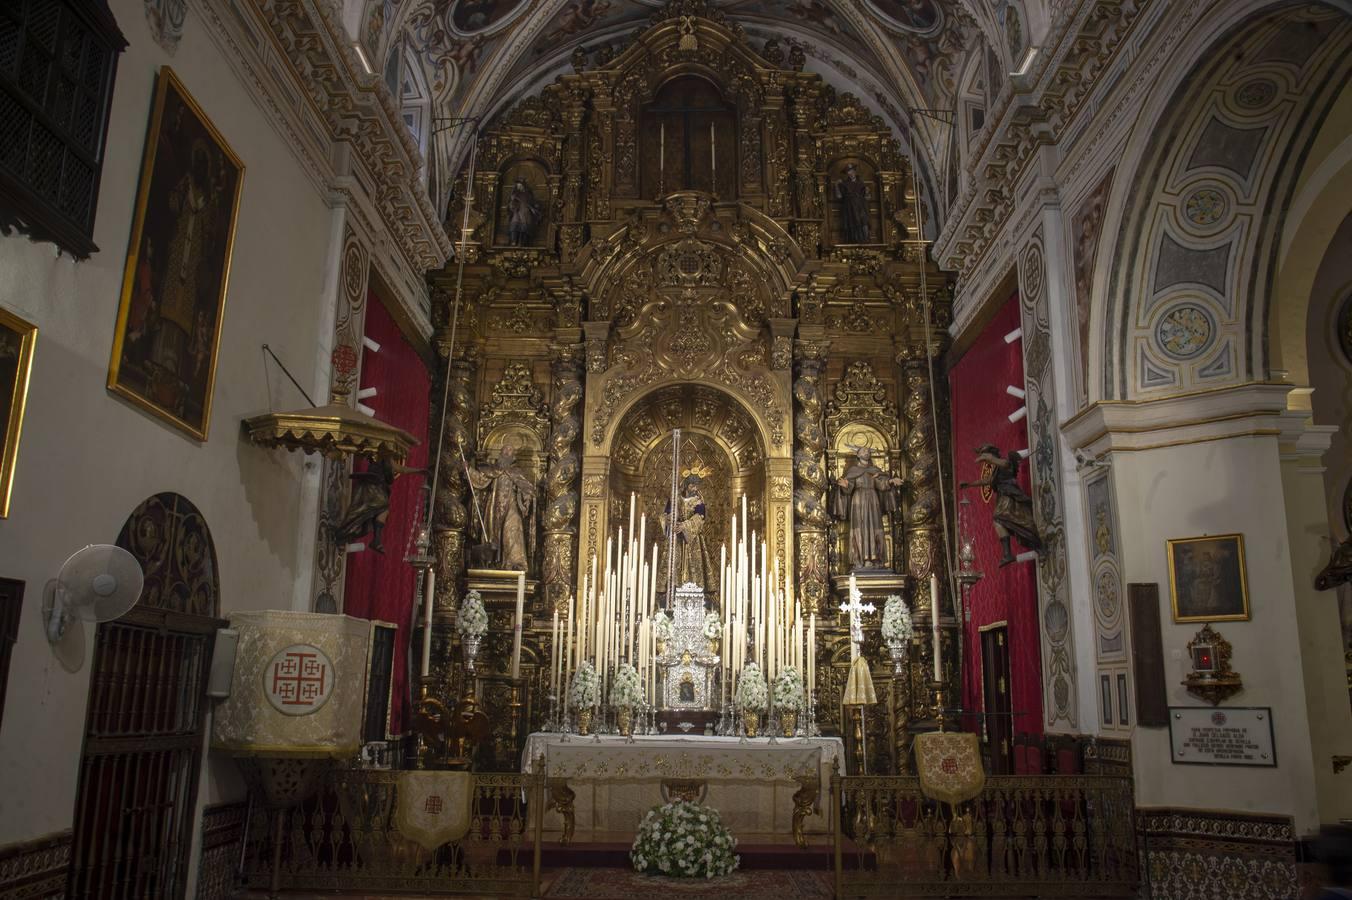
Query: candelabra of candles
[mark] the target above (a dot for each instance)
(616, 621)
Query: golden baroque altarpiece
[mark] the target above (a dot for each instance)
(687, 268)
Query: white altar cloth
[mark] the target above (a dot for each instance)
(751, 783)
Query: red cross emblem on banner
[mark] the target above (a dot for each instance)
(949, 765)
(299, 680)
(432, 805)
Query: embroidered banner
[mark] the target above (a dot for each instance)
(859, 686)
(434, 807)
(949, 765)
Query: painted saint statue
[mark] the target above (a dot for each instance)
(693, 562)
(508, 509)
(863, 494)
(523, 214)
(853, 196)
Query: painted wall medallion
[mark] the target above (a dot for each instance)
(1185, 331)
(913, 16)
(471, 17)
(178, 264)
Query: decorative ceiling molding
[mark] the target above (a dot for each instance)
(1035, 113)
(312, 85)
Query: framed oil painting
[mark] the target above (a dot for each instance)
(1207, 580)
(178, 263)
(17, 338)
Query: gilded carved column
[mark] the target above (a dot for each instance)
(451, 513)
(565, 465)
(809, 466)
(572, 229)
(924, 525)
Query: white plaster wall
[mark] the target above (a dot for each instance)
(87, 459)
(1220, 487)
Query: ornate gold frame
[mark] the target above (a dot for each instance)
(1243, 580)
(167, 79)
(9, 445)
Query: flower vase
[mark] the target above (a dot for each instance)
(624, 718)
(584, 721)
(750, 722)
(788, 721)
(661, 647)
(471, 643)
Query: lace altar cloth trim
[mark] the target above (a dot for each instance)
(656, 757)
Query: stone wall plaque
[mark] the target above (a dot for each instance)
(1222, 736)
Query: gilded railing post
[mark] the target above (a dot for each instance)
(565, 466)
(837, 832)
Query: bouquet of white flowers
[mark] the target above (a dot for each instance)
(661, 626)
(713, 626)
(586, 690)
(473, 618)
(789, 690)
(624, 690)
(685, 840)
(752, 695)
(897, 627)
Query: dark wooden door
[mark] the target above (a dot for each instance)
(144, 736)
(995, 691)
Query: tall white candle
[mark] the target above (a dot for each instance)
(934, 624)
(556, 661)
(429, 595)
(516, 628)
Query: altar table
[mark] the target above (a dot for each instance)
(758, 787)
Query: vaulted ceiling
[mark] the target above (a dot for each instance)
(909, 60)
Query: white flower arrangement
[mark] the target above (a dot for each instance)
(897, 626)
(752, 694)
(624, 690)
(662, 626)
(586, 690)
(713, 626)
(789, 690)
(473, 618)
(685, 840)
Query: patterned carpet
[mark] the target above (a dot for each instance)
(625, 884)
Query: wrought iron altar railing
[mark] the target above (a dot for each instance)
(1044, 836)
(346, 838)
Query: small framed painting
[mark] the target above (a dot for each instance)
(1207, 580)
(178, 264)
(17, 338)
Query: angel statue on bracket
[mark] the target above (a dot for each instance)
(369, 504)
(1013, 508)
(863, 494)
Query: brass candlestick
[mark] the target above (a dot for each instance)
(938, 688)
(514, 704)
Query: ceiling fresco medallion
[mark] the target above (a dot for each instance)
(910, 16)
(1185, 331)
(472, 17)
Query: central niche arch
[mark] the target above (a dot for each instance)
(719, 441)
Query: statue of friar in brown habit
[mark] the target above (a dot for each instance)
(863, 494)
